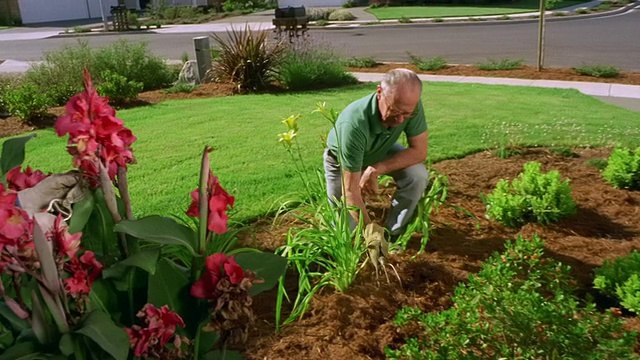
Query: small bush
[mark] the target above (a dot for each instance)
(26, 101)
(603, 6)
(307, 65)
(437, 20)
(581, 11)
(180, 88)
(521, 305)
(563, 151)
(117, 88)
(532, 197)
(361, 62)
(619, 279)
(81, 29)
(504, 17)
(599, 71)
(246, 59)
(599, 164)
(405, 20)
(504, 64)
(315, 14)
(433, 64)
(559, 13)
(322, 22)
(623, 169)
(341, 15)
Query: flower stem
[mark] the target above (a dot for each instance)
(123, 188)
(203, 200)
(110, 200)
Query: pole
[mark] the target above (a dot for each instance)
(540, 64)
(105, 24)
(203, 55)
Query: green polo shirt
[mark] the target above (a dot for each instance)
(363, 139)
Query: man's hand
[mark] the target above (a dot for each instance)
(369, 181)
(66, 187)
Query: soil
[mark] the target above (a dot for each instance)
(358, 324)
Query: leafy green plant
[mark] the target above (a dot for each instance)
(559, 13)
(623, 168)
(405, 20)
(604, 6)
(326, 252)
(581, 11)
(118, 88)
(619, 279)
(532, 197)
(322, 22)
(437, 20)
(521, 305)
(308, 65)
(180, 88)
(563, 151)
(81, 29)
(432, 64)
(341, 15)
(599, 164)
(504, 17)
(599, 71)
(315, 14)
(503, 64)
(26, 102)
(362, 62)
(247, 59)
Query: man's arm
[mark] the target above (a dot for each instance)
(353, 195)
(416, 153)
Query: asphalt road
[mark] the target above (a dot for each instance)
(610, 40)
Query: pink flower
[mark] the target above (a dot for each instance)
(15, 224)
(66, 243)
(160, 328)
(206, 286)
(84, 271)
(219, 202)
(95, 134)
(17, 180)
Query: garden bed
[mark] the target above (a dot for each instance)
(358, 324)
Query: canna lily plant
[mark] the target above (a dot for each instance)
(83, 288)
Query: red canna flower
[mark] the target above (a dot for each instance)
(17, 180)
(206, 286)
(150, 341)
(219, 202)
(95, 134)
(66, 243)
(84, 271)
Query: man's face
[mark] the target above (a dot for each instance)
(397, 106)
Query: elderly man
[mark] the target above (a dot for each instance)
(364, 144)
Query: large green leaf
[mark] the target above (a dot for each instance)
(170, 286)
(81, 213)
(104, 297)
(16, 323)
(13, 153)
(222, 355)
(160, 230)
(6, 338)
(25, 350)
(99, 327)
(268, 267)
(99, 235)
(144, 259)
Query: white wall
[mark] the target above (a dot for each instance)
(311, 3)
(36, 11)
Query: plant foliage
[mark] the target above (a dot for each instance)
(600, 71)
(532, 197)
(247, 59)
(503, 64)
(520, 305)
(433, 64)
(623, 169)
(117, 88)
(619, 279)
(26, 101)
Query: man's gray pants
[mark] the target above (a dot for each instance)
(411, 183)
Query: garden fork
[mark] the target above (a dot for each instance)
(378, 248)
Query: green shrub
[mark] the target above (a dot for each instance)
(306, 65)
(81, 29)
(180, 88)
(504, 17)
(246, 59)
(532, 197)
(432, 64)
(26, 101)
(563, 151)
(117, 88)
(603, 6)
(59, 76)
(599, 71)
(503, 64)
(341, 15)
(405, 20)
(437, 20)
(581, 11)
(520, 305)
(361, 62)
(599, 164)
(322, 22)
(623, 169)
(315, 14)
(619, 279)
(559, 13)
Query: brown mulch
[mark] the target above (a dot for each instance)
(358, 324)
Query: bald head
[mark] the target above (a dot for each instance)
(400, 80)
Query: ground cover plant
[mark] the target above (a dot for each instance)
(533, 196)
(435, 63)
(619, 280)
(502, 64)
(623, 168)
(600, 71)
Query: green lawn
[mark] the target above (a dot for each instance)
(253, 166)
(438, 11)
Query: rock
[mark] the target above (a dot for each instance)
(189, 73)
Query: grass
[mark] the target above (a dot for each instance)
(253, 167)
(415, 12)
